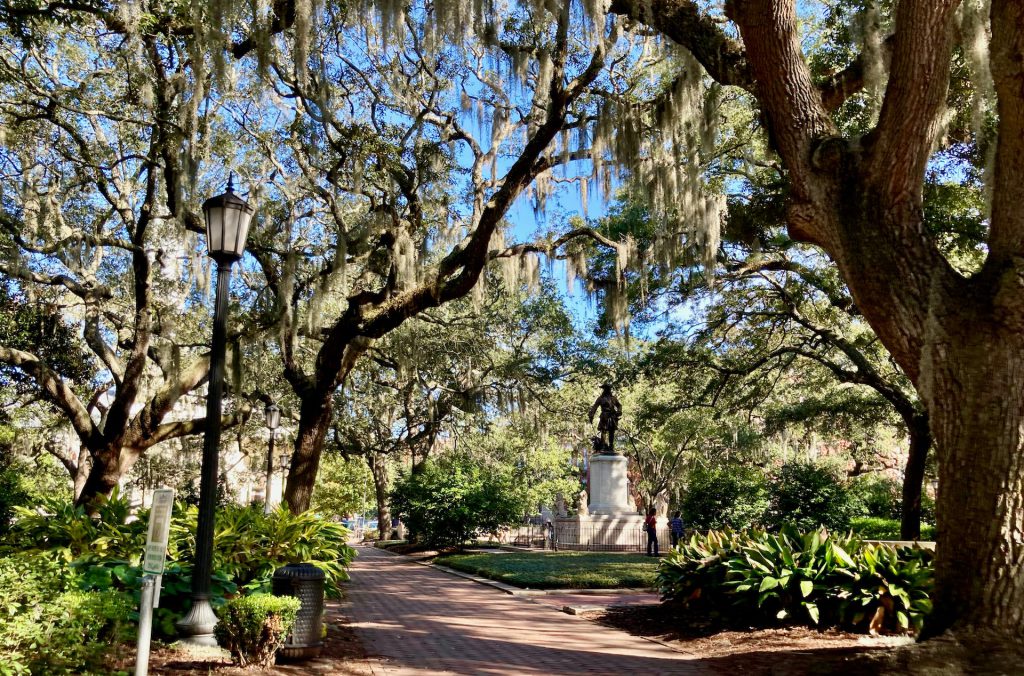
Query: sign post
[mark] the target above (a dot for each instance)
(153, 559)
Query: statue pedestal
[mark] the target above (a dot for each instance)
(613, 523)
(609, 488)
(601, 532)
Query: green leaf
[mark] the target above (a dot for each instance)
(768, 583)
(812, 610)
(806, 587)
(841, 554)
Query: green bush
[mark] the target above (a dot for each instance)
(252, 628)
(882, 497)
(792, 577)
(249, 545)
(50, 627)
(12, 494)
(877, 496)
(453, 498)
(724, 497)
(807, 495)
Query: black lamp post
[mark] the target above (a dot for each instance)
(273, 416)
(227, 225)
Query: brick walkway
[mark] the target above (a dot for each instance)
(413, 619)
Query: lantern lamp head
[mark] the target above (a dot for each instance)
(227, 224)
(273, 416)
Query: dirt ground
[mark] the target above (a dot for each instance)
(803, 651)
(342, 655)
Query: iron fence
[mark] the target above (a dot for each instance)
(584, 537)
(598, 538)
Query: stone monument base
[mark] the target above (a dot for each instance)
(608, 485)
(601, 532)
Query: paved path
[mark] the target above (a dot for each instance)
(417, 620)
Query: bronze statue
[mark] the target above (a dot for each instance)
(611, 411)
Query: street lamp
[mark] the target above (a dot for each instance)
(227, 225)
(285, 461)
(273, 416)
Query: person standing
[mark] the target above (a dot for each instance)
(676, 526)
(651, 527)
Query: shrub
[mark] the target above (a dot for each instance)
(52, 628)
(694, 572)
(877, 496)
(249, 545)
(12, 493)
(792, 577)
(808, 496)
(252, 628)
(453, 498)
(66, 532)
(882, 497)
(726, 497)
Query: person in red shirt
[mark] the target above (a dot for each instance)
(651, 527)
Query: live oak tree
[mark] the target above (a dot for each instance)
(144, 97)
(403, 154)
(92, 228)
(958, 337)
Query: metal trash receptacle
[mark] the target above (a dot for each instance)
(305, 582)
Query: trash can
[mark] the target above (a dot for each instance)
(305, 582)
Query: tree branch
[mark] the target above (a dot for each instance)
(685, 23)
(56, 391)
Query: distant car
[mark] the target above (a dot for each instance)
(371, 525)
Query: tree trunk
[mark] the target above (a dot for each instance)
(974, 368)
(103, 476)
(81, 472)
(107, 469)
(314, 420)
(913, 477)
(379, 466)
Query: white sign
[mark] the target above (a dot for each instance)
(159, 529)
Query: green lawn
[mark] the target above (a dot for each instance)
(559, 570)
(874, 528)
